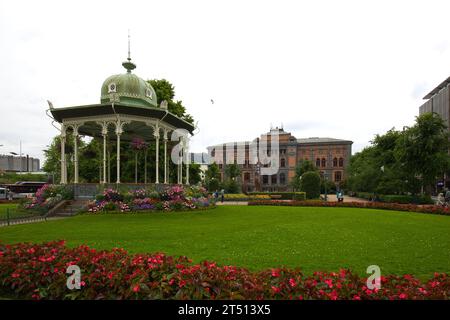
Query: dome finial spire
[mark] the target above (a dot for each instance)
(129, 55)
(128, 64)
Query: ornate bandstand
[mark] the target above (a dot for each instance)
(128, 109)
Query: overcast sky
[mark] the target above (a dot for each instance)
(341, 69)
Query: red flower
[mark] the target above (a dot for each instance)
(403, 296)
(292, 282)
(136, 288)
(276, 289)
(275, 273)
(356, 297)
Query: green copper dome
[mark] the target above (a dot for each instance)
(128, 88)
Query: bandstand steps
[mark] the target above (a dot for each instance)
(72, 208)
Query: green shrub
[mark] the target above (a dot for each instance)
(283, 195)
(299, 196)
(310, 184)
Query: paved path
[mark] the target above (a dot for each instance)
(332, 197)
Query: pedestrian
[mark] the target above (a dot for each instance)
(222, 195)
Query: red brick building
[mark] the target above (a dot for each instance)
(330, 155)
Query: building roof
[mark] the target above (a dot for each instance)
(438, 88)
(314, 140)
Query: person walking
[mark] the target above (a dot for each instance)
(222, 195)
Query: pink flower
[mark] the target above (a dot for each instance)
(275, 273)
(292, 282)
(136, 288)
(356, 297)
(402, 296)
(276, 289)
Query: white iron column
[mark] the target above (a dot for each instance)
(105, 135)
(187, 159)
(118, 133)
(156, 135)
(75, 153)
(63, 155)
(165, 157)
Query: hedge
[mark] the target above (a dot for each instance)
(38, 271)
(416, 199)
(369, 205)
(283, 195)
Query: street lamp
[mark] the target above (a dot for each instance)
(325, 175)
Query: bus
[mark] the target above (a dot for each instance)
(21, 189)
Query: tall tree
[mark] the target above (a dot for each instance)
(166, 91)
(422, 150)
(212, 177)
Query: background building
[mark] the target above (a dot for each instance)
(19, 164)
(331, 156)
(438, 100)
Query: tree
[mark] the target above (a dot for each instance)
(166, 91)
(302, 167)
(422, 150)
(212, 177)
(310, 184)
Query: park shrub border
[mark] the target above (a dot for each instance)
(38, 271)
(394, 198)
(284, 195)
(433, 209)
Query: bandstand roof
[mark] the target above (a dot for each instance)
(90, 114)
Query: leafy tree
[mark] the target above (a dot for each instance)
(310, 184)
(422, 150)
(166, 91)
(302, 167)
(212, 177)
(232, 171)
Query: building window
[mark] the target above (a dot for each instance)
(324, 162)
(341, 162)
(282, 151)
(317, 162)
(282, 178)
(265, 179)
(283, 163)
(220, 166)
(337, 176)
(247, 177)
(335, 162)
(274, 179)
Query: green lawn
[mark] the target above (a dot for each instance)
(13, 211)
(264, 237)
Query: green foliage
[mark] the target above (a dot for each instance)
(166, 91)
(400, 162)
(212, 177)
(302, 167)
(310, 184)
(282, 195)
(12, 177)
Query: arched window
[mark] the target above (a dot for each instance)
(337, 176)
(317, 162)
(283, 163)
(335, 162)
(282, 178)
(324, 162)
(341, 162)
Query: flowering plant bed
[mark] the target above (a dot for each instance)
(47, 197)
(38, 271)
(172, 198)
(370, 205)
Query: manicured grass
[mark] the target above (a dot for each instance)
(13, 210)
(312, 238)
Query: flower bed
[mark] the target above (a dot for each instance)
(47, 197)
(38, 271)
(170, 199)
(371, 205)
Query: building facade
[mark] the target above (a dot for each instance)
(438, 100)
(11, 163)
(331, 157)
